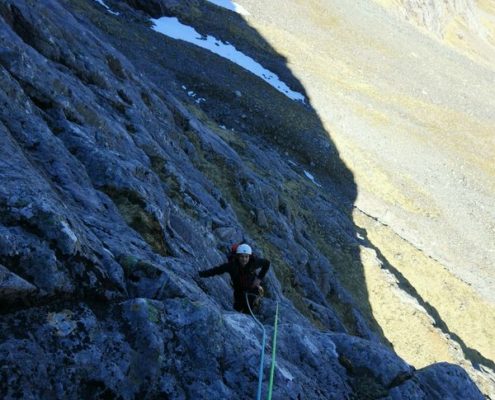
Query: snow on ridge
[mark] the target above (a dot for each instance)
(171, 27)
(311, 178)
(230, 5)
(102, 3)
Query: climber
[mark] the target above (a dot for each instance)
(245, 278)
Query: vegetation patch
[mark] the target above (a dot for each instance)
(133, 210)
(219, 171)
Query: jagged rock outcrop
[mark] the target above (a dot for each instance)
(436, 15)
(467, 25)
(116, 190)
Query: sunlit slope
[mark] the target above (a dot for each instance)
(411, 117)
(428, 314)
(412, 112)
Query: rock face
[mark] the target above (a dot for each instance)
(116, 188)
(467, 25)
(436, 15)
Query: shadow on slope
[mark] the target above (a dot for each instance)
(255, 119)
(474, 356)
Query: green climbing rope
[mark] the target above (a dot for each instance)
(274, 351)
(262, 357)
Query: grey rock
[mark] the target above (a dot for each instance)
(373, 358)
(437, 381)
(409, 390)
(13, 287)
(115, 192)
(261, 219)
(447, 381)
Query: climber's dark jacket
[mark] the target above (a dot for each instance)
(242, 277)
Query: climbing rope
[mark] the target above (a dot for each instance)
(262, 357)
(262, 360)
(274, 350)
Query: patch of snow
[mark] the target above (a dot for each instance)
(192, 94)
(171, 27)
(310, 345)
(292, 163)
(285, 373)
(62, 322)
(108, 252)
(101, 2)
(183, 87)
(332, 349)
(230, 5)
(311, 178)
(222, 126)
(65, 228)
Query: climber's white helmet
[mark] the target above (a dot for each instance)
(244, 249)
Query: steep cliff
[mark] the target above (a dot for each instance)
(129, 161)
